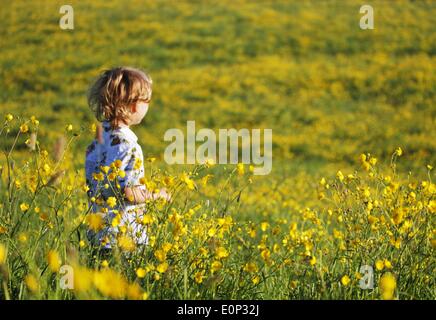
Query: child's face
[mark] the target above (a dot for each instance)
(138, 112)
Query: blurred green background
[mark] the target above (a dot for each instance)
(328, 89)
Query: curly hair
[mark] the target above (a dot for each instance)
(115, 91)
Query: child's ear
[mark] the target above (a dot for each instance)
(133, 108)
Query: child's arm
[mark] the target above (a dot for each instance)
(139, 194)
(131, 158)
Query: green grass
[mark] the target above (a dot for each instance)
(328, 89)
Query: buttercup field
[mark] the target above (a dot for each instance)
(347, 210)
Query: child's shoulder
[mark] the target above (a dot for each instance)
(122, 141)
(118, 135)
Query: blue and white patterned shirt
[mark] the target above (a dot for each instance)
(110, 167)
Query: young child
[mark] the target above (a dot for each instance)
(114, 161)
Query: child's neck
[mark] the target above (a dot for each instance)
(123, 125)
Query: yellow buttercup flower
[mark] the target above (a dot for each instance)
(126, 243)
(162, 268)
(83, 279)
(105, 169)
(379, 265)
(198, 277)
(147, 219)
(98, 176)
(345, 280)
(265, 254)
(94, 221)
(323, 181)
(167, 247)
(264, 226)
(372, 220)
(160, 255)
(31, 282)
(111, 202)
(138, 163)
(24, 207)
(250, 267)
(140, 273)
(116, 221)
(134, 292)
(216, 266)
(398, 215)
(211, 232)
(168, 181)
(210, 163)
(387, 264)
(366, 166)
(3, 254)
(387, 285)
(34, 120)
(110, 283)
(240, 169)
(54, 261)
(221, 253)
(188, 181)
(24, 128)
(432, 206)
(117, 163)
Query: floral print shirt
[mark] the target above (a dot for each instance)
(110, 166)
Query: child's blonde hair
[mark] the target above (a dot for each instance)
(115, 90)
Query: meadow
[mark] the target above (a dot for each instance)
(354, 125)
